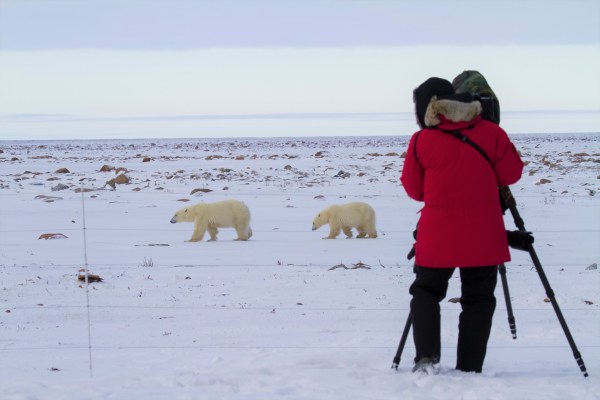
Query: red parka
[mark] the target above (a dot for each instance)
(461, 223)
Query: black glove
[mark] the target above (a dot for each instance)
(519, 240)
(411, 253)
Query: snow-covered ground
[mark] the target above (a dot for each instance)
(276, 316)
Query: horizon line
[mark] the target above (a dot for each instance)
(58, 117)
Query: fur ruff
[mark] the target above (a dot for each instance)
(453, 110)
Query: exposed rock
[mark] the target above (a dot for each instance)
(342, 174)
(47, 199)
(201, 190)
(111, 183)
(106, 168)
(60, 186)
(62, 171)
(122, 179)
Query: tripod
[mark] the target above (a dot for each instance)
(510, 203)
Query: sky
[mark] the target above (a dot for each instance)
(104, 68)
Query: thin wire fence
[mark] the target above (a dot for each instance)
(393, 311)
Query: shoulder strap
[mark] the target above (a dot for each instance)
(460, 136)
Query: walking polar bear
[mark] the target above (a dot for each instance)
(344, 217)
(210, 216)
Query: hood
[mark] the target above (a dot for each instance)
(422, 96)
(473, 82)
(450, 110)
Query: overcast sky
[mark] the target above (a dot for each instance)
(135, 59)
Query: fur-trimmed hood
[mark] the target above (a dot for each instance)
(453, 110)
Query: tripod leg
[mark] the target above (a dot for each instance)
(511, 203)
(559, 315)
(403, 339)
(511, 317)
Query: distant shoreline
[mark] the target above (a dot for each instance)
(516, 136)
(288, 125)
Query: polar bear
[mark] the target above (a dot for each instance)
(344, 217)
(210, 216)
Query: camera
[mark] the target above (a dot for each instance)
(490, 109)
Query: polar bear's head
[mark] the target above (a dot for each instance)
(321, 219)
(184, 215)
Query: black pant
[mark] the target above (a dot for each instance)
(478, 305)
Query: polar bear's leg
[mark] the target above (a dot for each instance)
(334, 230)
(199, 230)
(243, 233)
(347, 232)
(213, 231)
(371, 231)
(361, 232)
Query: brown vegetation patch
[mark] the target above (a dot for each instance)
(90, 278)
(47, 236)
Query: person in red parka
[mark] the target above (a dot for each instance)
(461, 223)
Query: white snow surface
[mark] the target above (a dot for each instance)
(270, 318)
